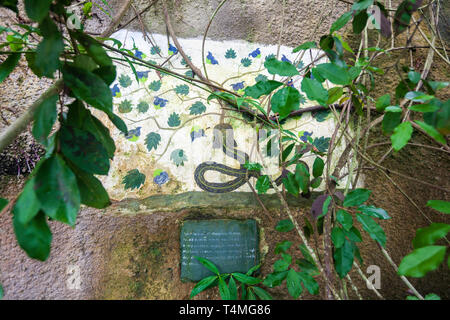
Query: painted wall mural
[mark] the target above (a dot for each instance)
(171, 123)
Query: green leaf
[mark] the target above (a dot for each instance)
(285, 100)
(281, 265)
(334, 94)
(390, 121)
(418, 96)
(107, 73)
(374, 212)
(197, 108)
(10, 4)
(309, 282)
(262, 88)
(253, 269)
(93, 48)
(432, 296)
(49, 49)
(37, 10)
(401, 136)
(356, 197)
(361, 5)
(318, 167)
(283, 247)
(343, 259)
(57, 190)
(233, 289)
(275, 279)
(439, 205)
(421, 261)
(383, 102)
(44, 118)
(84, 150)
(27, 205)
(291, 184)
(414, 76)
(284, 225)
(360, 22)
(89, 87)
(250, 294)
(334, 73)
(345, 219)
(92, 192)
(133, 179)
(431, 131)
(338, 237)
(325, 207)
(34, 237)
(372, 228)
(262, 184)
(152, 140)
(174, 120)
(223, 289)
(428, 107)
(315, 183)
(305, 46)
(8, 65)
(429, 235)
(243, 278)
(208, 264)
(302, 177)
(202, 285)
(3, 203)
(341, 21)
(281, 68)
(293, 283)
(353, 234)
(262, 294)
(314, 90)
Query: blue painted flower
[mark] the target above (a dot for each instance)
(133, 135)
(290, 83)
(160, 102)
(139, 54)
(284, 58)
(210, 59)
(197, 132)
(255, 54)
(142, 75)
(305, 135)
(238, 86)
(172, 50)
(115, 90)
(160, 177)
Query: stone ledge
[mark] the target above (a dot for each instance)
(201, 201)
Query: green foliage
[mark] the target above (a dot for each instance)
(230, 54)
(439, 205)
(356, 197)
(262, 88)
(152, 140)
(8, 65)
(142, 107)
(178, 156)
(155, 85)
(263, 184)
(314, 90)
(133, 179)
(174, 120)
(421, 261)
(197, 108)
(125, 81)
(284, 225)
(281, 68)
(182, 89)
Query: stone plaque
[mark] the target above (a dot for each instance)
(232, 245)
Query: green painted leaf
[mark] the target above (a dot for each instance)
(372, 228)
(174, 120)
(356, 197)
(262, 184)
(345, 219)
(318, 167)
(281, 68)
(88, 87)
(84, 150)
(284, 225)
(293, 283)
(57, 190)
(142, 107)
(321, 144)
(208, 264)
(133, 179)
(439, 205)
(27, 205)
(429, 235)
(44, 118)
(421, 261)
(202, 285)
(431, 131)
(314, 90)
(152, 140)
(178, 156)
(37, 10)
(374, 212)
(8, 65)
(285, 100)
(182, 89)
(197, 108)
(262, 88)
(125, 81)
(230, 54)
(343, 259)
(34, 237)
